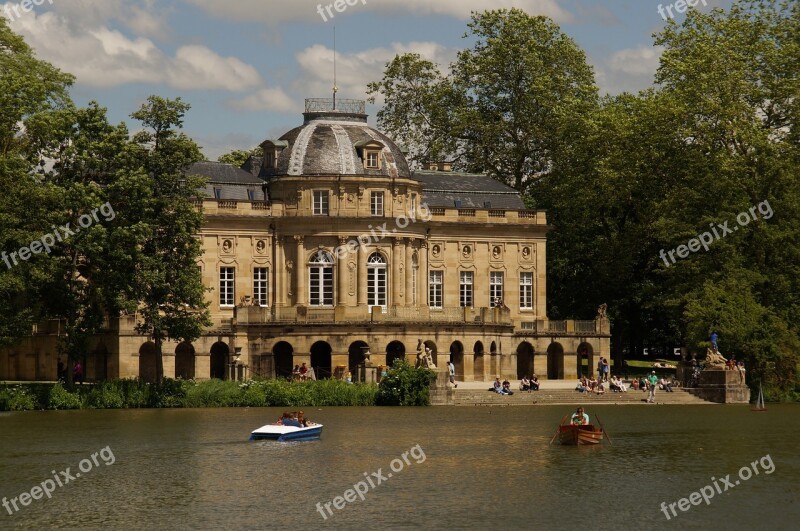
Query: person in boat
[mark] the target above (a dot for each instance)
(292, 421)
(580, 418)
(301, 418)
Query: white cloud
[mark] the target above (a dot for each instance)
(103, 57)
(306, 10)
(266, 99)
(630, 69)
(356, 70)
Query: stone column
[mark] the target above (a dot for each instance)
(409, 251)
(280, 272)
(299, 269)
(341, 264)
(397, 282)
(422, 281)
(362, 276)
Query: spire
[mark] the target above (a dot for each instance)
(335, 88)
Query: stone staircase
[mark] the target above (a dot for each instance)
(478, 397)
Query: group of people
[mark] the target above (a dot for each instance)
(602, 370)
(302, 373)
(77, 371)
(529, 385)
(591, 385)
(501, 388)
(294, 418)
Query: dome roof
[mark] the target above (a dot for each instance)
(335, 142)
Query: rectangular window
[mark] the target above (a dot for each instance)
(261, 286)
(495, 288)
(227, 276)
(372, 160)
(217, 193)
(320, 286)
(466, 289)
(413, 209)
(251, 195)
(269, 160)
(526, 291)
(376, 203)
(320, 202)
(436, 289)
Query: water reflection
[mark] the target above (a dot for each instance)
(196, 469)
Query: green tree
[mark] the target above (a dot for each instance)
(28, 88)
(506, 106)
(156, 248)
(239, 157)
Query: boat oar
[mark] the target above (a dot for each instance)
(559, 428)
(605, 433)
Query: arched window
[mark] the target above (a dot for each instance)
(376, 281)
(320, 279)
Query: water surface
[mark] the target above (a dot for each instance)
(483, 468)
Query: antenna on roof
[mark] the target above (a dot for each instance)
(335, 88)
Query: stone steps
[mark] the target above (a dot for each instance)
(472, 397)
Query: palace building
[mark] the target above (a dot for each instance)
(329, 248)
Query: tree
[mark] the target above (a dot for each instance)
(238, 157)
(156, 245)
(506, 106)
(28, 88)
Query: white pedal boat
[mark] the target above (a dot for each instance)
(277, 432)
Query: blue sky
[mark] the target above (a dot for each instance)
(245, 66)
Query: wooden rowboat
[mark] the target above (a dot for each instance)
(573, 435)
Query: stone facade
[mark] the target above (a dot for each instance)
(329, 247)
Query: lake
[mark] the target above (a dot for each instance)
(464, 468)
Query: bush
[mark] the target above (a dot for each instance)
(17, 398)
(60, 398)
(108, 395)
(405, 385)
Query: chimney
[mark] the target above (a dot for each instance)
(440, 166)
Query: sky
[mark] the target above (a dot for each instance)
(245, 66)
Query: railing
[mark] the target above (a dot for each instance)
(337, 105)
(230, 205)
(526, 213)
(586, 327)
(467, 212)
(527, 325)
(557, 326)
(436, 211)
(198, 203)
(254, 315)
(259, 205)
(497, 213)
(401, 313)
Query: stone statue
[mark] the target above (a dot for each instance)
(424, 358)
(601, 311)
(714, 360)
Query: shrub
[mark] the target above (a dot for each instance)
(405, 385)
(60, 398)
(17, 398)
(108, 395)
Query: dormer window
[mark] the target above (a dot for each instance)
(370, 153)
(272, 150)
(373, 160)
